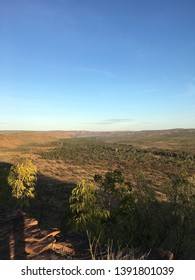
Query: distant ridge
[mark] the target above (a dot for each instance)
(16, 138)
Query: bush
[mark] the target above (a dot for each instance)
(88, 214)
(22, 178)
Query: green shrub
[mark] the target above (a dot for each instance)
(22, 178)
(88, 214)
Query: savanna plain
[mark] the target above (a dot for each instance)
(97, 195)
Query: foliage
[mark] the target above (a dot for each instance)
(88, 215)
(90, 153)
(115, 195)
(148, 215)
(137, 205)
(131, 213)
(117, 204)
(22, 178)
(181, 193)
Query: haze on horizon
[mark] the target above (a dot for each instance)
(107, 65)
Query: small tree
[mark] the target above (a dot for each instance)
(115, 195)
(22, 178)
(88, 214)
(181, 193)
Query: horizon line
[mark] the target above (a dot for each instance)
(101, 131)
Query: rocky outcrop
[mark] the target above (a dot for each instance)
(22, 238)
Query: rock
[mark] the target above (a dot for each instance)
(21, 238)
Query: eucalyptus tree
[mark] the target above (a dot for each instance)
(22, 179)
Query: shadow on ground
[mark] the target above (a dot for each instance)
(40, 231)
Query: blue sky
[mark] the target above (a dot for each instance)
(97, 64)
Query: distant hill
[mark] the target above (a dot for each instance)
(170, 138)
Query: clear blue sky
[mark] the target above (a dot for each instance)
(97, 64)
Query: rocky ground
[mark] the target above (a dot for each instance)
(22, 238)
